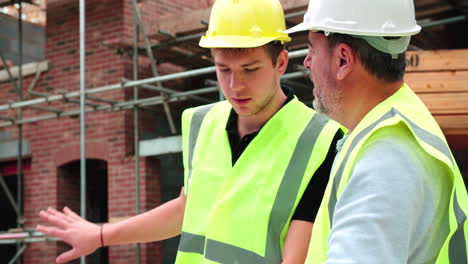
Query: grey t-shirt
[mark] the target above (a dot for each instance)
(393, 209)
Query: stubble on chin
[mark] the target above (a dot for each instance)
(320, 107)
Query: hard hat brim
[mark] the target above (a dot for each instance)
(238, 41)
(297, 28)
(307, 27)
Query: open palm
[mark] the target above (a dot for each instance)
(83, 236)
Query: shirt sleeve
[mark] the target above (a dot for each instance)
(377, 216)
(310, 201)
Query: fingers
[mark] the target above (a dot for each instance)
(55, 218)
(61, 215)
(51, 231)
(71, 214)
(67, 256)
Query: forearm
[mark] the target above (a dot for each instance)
(160, 223)
(297, 242)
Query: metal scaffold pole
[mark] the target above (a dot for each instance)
(82, 112)
(19, 195)
(138, 20)
(136, 124)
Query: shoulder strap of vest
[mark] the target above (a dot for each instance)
(422, 134)
(195, 125)
(292, 179)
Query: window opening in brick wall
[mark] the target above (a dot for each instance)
(68, 189)
(8, 219)
(172, 180)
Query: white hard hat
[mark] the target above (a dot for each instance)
(360, 17)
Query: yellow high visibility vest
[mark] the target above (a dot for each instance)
(241, 213)
(402, 107)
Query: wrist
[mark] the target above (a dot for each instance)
(101, 235)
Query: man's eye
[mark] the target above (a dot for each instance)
(223, 69)
(251, 69)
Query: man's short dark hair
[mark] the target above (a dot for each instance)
(377, 63)
(273, 49)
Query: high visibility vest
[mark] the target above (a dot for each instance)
(241, 213)
(404, 107)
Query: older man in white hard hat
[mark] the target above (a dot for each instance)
(395, 193)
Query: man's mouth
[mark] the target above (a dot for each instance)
(241, 100)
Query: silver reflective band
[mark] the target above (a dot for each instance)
(229, 254)
(195, 126)
(457, 244)
(216, 250)
(290, 185)
(429, 138)
(339, 171)
(283, 204)
(191, 243)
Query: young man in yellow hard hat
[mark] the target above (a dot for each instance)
(255, 164)
(395, 194)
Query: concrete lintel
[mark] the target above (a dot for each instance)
(160, 146)
(9, 149)
(28, 69)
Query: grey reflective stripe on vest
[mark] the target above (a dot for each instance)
(229, 254)
(191, 243)
(219, 251)
(290, 185)
(429, 138)
(457, 244)
(457, 247)
(284, 201)
(195, 126)
(339, 171)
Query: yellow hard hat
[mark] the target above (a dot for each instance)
(245, 24)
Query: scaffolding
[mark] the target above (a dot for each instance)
(90, 101)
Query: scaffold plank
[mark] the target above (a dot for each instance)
(28, 69)
(9, 149)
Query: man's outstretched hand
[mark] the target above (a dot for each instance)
(84, 237)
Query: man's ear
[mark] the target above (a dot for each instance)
(344, 60)
(282, 61)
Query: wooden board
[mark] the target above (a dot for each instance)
(446, 103)
(437, 60)
(179, 24)
(453, 124)
(191, 21)
(438, 82)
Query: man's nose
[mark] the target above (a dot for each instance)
(236, 81)
(307, 61)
